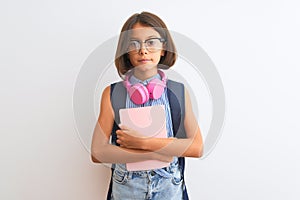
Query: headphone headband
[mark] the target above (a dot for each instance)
(140, 94)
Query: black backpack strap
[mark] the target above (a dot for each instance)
(118, 100)
(177, 105)
(175, 92)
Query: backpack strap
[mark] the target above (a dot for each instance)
(175, 93)
(177, 105)
(118, 101)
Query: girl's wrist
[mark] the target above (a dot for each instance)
(145, 143)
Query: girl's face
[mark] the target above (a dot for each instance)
(145, 48)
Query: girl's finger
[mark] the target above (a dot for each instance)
(119, 132)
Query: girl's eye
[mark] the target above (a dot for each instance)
(134, 45)
(151, 42)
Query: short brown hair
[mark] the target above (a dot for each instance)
(122, 61)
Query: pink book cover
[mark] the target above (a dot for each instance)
(149, 121)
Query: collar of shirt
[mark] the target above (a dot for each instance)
(134, 80)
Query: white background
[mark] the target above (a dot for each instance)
(254, 45)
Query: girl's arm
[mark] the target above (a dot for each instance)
(102, 151)
(192, 146)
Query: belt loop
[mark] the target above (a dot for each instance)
(152, 172)
(168, 169)
(129, 175)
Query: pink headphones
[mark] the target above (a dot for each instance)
(140, 94)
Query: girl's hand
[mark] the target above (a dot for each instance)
(129, 138)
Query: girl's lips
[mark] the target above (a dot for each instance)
(144, 60)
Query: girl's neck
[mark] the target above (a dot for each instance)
(144, 75)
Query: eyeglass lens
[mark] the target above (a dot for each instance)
(152, 45)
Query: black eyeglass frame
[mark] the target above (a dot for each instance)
(162, 40)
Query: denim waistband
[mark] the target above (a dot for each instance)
(165, 172)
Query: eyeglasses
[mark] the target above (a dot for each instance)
(152, 45)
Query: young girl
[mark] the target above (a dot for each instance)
(145, 46)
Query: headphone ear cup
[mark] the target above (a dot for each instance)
(138, 93)
(155, 88)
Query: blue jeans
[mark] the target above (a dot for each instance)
(147, 185)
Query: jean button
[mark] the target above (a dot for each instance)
(152, 173)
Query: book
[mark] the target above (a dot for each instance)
(149, 121)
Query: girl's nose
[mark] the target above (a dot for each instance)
(143, 50)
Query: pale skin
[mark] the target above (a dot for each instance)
(132, 148)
